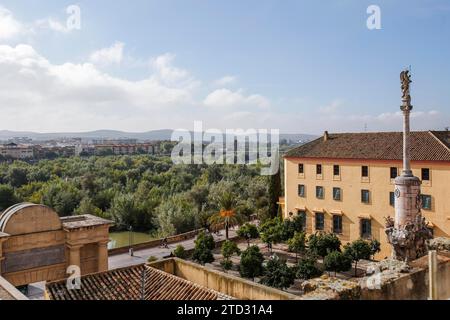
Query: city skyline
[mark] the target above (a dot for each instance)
(299, 67)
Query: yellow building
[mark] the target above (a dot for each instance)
(344, 183)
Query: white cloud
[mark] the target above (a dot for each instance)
(39, 95)
(224, 98)
(225, 81)
(108, 56)
(9, 26)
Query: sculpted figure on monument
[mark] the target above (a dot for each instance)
(405, 79)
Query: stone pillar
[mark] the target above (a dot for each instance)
(74, 255)
(102, 254)
(407, 202)
(1, 253)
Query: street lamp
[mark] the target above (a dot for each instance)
(130, 239)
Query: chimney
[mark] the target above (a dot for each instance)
(326, 136)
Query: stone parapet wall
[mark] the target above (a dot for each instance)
(227, 284)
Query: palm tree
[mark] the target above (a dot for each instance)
(227, 215)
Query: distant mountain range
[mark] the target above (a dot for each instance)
(114, 134)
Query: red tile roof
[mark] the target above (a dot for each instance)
(425, 146)
(139, 282)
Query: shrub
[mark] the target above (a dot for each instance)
(251, 262)
(357, 250)
(180, 252)
(152, 259)
(204, 244)
(297, 243)
(226, 264)
(307, 268)
(337, 261)
(277, 274)
(323, 243)
(248, 231)
(271, 232)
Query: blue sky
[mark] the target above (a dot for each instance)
(300, 66)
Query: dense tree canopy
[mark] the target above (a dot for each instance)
(149, 193)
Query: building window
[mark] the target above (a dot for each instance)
(319, 193)
(301, 168)
(336, 170)
(394, 173)
(365, 171)
(319, 169)
(337, 194)
(365, 196)
(392, 198)
(366, 228)
(301, 190)
(302, 215)
(337, 224)
(426, 201)
(320, 221)
(425, 174)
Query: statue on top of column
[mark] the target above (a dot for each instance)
(405, 79)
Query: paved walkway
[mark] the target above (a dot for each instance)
(141, 256)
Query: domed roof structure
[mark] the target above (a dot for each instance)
(26, 218)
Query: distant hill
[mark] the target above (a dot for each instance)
(114, 134)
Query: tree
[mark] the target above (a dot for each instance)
(179, 252)
(176, 215)
(337, 261)
(17, 176)
(297, 244)
(375, 247)
(248, 231)
(322, 243)
(277, 274)
(274, 193)
(7, 197)
(227, 215)
(87, 207)
(204, 244)
(357, 250)
(228, 249)
(251, 264)
(271, 232)
(307, 268)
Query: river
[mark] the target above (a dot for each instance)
(122, 239)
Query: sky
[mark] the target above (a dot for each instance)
(301, 66)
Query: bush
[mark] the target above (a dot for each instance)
(277, 274)
(297, 243)
(357, 250)
(152, 259)
(307, 268)
(251, 263)
(271, 232)
(226, 264)
(204, 244)
(248, 231)
(323, 243)
(229, 248)
(337, 261)
(180, 252)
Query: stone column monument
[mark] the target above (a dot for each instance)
(408, 232)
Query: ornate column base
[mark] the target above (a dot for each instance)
(408, 242)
